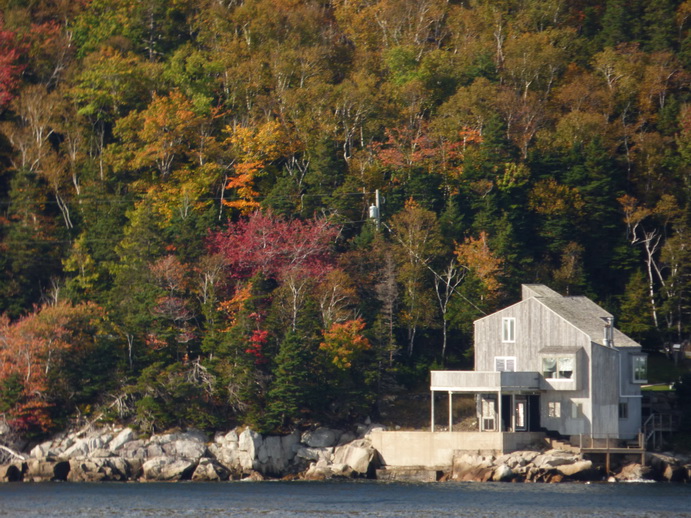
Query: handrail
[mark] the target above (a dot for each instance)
(608, 441)
(657, 422)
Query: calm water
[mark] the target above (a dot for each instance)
(338, 499)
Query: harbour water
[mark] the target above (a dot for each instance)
(345, 499)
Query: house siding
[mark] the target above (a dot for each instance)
(606, 385)
(538, 327)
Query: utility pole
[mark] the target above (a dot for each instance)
(375, 210)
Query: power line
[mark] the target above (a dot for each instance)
(436, 275)
(123, 200)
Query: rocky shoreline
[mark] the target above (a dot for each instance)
(120, 454)
(113, 454)
(563, 466)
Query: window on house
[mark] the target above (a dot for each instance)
(623, 410)
(505, 363)
(489, 412)
(508, 329)
(557, 368)
(553, 409)
(640, 369)
(576, 410)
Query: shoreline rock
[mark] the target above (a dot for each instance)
(119, 454)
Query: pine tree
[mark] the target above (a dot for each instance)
(290, 394)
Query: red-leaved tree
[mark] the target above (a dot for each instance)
(296, 254)
(275, 246)
(10, 67)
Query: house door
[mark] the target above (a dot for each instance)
(534, 413)
(506, 411)
(521, 414)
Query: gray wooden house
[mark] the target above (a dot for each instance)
(555, 363)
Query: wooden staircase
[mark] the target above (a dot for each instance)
(657, 424)
(563, 445)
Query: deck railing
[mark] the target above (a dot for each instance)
(460, 381)
(609, 442)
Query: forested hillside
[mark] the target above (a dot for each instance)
(185, 189)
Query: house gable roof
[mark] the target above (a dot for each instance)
(586, 316)
(581, 312)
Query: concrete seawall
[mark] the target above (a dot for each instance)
(437, 449)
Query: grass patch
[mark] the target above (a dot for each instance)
(657, 388)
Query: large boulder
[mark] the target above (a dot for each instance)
(321, 438)
(634, 472)
(502, 473)
(318, 471)
(210, 470)
(665, 467)
(184, 448)
(554, 458)
(250, 441)
(358, 455)
(122, 438)
(581, 469)
(167, 469)
(314, 454)
(226, 450)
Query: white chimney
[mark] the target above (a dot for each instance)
(608, 339)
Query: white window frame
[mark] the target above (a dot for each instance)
(636, 368)
(488, 414)
(554, 409)
(506, 361)
(558, 376)
(508, 330)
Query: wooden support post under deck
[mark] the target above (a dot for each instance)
(450, 411)
(432, 416)
(607, 463)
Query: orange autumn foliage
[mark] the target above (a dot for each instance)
(475, 254)
(343, 342)
(34, 346)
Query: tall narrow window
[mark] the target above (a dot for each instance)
(508, 329)
(553, 409)
(489, 412)
(640, 369)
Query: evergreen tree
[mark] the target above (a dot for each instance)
(291, 394)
